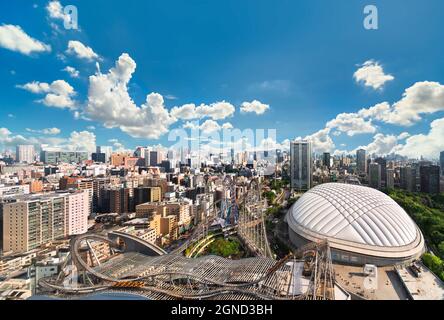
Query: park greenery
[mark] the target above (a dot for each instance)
(225, 248)
(428, 213)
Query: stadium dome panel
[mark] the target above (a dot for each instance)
(363, 225)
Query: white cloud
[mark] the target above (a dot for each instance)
(427, 145)
(421, 98)
(110, 103)
(72, 71)
(58, 94)
(81, 51)
(15, 39)
(381, 144)
(254, 106)
(216, 111)
(321, 141)
(46, 131)
(351, 123)
(372, 75)
(209, 126)
(403, 136)
(82, 141)
(55, 11)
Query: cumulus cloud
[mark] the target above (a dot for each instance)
(216, 111)
(81, 51)
(254, 106)
(110, 103)
(55, 11)
(15, 39)
(381, 144)
(209, 126)
(371, 74)
(321, 141)
(58, 94)
(421, 98)
(46, 131)
(73, 72)
(82, 141)
(427, 145)
(352, 124)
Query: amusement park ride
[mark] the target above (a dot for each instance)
(122, 262)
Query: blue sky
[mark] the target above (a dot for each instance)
(297, 57)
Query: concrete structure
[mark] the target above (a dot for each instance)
(361, 161)
(76, 219)
(54, 157)
(390, 179)
(374, 171)
(301, 166)
(408, 178)
(30, 222)
(107, 150)
(15, 190)
(363, 225)
(25, 154)
(383, 163)
(430, 179)
(441, 162)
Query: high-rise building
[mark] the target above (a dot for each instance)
(145, 194)
(390, 179)
(98, 157)
(375, 176)
(30, 221)
(107, 150)
(53, 157)
(326, 159)
(361, 161)
(408, 178)
(441, 161)
(430, 179)
(301, 165)
(383, 163)
(25, 153)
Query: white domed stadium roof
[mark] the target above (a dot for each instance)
(356, 216)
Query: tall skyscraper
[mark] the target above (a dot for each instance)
(375, 175)
(326, 159)
(390, 179)
(430, 179)
(441, 161)
(301, 165)
(107, 150)
(25, 153)
(408, 178)
(361, 161)
(383, 163)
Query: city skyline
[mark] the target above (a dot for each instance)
(189, 64)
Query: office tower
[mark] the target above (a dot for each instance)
(383, 163)
(326, 160)
(52, 157)
(98, 157)
(25, 153)
(31, 221)
(107, 150)
(145, 194)
(408, 178)
(76, 218)
(301, 165)
(390, 179)
(361, 161)
(156, 157)
(441, 161)
(430, 179)
(375, 176)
